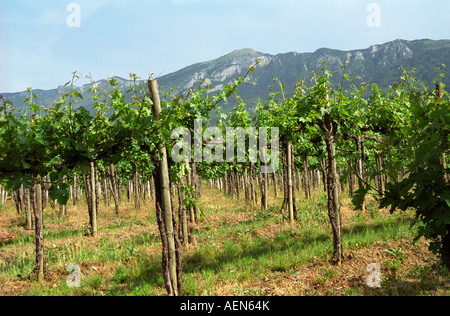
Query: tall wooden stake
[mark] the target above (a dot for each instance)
(171, 255)
(36, 195)
(94, 225)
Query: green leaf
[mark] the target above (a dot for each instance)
(60, 192)
(359, 195)
(77, 94)
(34, 107)
(22, 139)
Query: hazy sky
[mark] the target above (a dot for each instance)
(40, 49)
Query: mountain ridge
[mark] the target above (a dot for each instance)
(379, 63)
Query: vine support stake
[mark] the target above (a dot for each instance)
(171, 251)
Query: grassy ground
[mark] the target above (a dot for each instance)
(237, 250)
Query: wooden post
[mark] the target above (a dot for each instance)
(189, 182)
(171, 255)
(63, 208)
(136, 190)
(113, 187)
(182, 215)
(36, 194)
(28, 210)
(94, 225)
(333, 191)
(359, 168)
(334, 212)
(290, 201)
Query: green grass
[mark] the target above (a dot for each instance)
(245, 259)
(235, 246)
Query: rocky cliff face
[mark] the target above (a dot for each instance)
(216, 73)
(377, 64)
